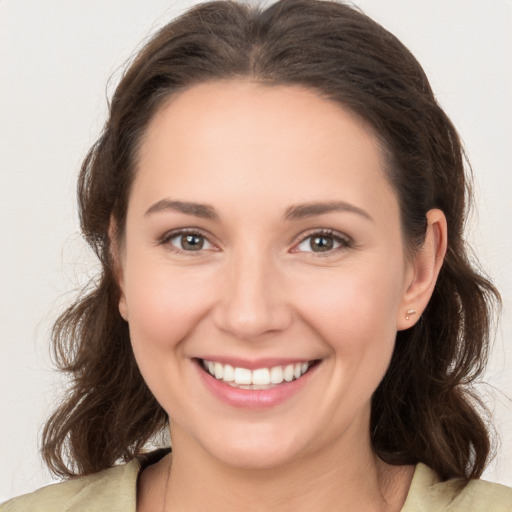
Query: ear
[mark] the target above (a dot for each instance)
(115, 252)
(425, 266)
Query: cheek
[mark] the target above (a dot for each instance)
(165, 304)
(353, 313)
(354, 310)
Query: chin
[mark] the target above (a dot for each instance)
(250, 458)
(256, 451)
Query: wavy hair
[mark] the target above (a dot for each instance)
(424, 410)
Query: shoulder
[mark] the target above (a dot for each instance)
(429, 493)
(112, 489)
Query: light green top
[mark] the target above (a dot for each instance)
(114, 490)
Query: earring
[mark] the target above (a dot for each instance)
(410, 312)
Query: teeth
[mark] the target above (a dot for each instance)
(218, 371)
(229, 373)
(288, 373)
(261, 378)
(276, 374)
(243, 376)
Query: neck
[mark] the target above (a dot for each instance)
(347, 476)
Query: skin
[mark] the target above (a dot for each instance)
(259, 289)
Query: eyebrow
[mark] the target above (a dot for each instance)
(301, 211)
(295, 212)
(204, 211)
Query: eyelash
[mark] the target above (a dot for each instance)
(166, 239)
(344, 241)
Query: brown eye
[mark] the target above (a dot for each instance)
(189, 242)
(321, 242)
(192, 242)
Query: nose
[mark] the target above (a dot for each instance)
(252, 301)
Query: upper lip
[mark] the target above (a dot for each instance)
(253, 364)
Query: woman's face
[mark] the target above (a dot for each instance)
(262, 241)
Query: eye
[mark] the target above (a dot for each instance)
(188, 241)
(323, 242)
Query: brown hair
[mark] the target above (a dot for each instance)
(424, 409)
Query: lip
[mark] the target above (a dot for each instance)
(253, 398)
(254, 364)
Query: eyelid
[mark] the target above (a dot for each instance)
(167, 236)
(345, 240)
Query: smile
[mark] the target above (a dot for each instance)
(260, 378)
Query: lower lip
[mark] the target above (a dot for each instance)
(253, 398)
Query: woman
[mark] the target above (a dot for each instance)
(277, 202)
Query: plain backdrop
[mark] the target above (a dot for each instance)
(56, 58)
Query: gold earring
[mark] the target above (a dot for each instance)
(410, 312)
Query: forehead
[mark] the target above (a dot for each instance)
(240, 139)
